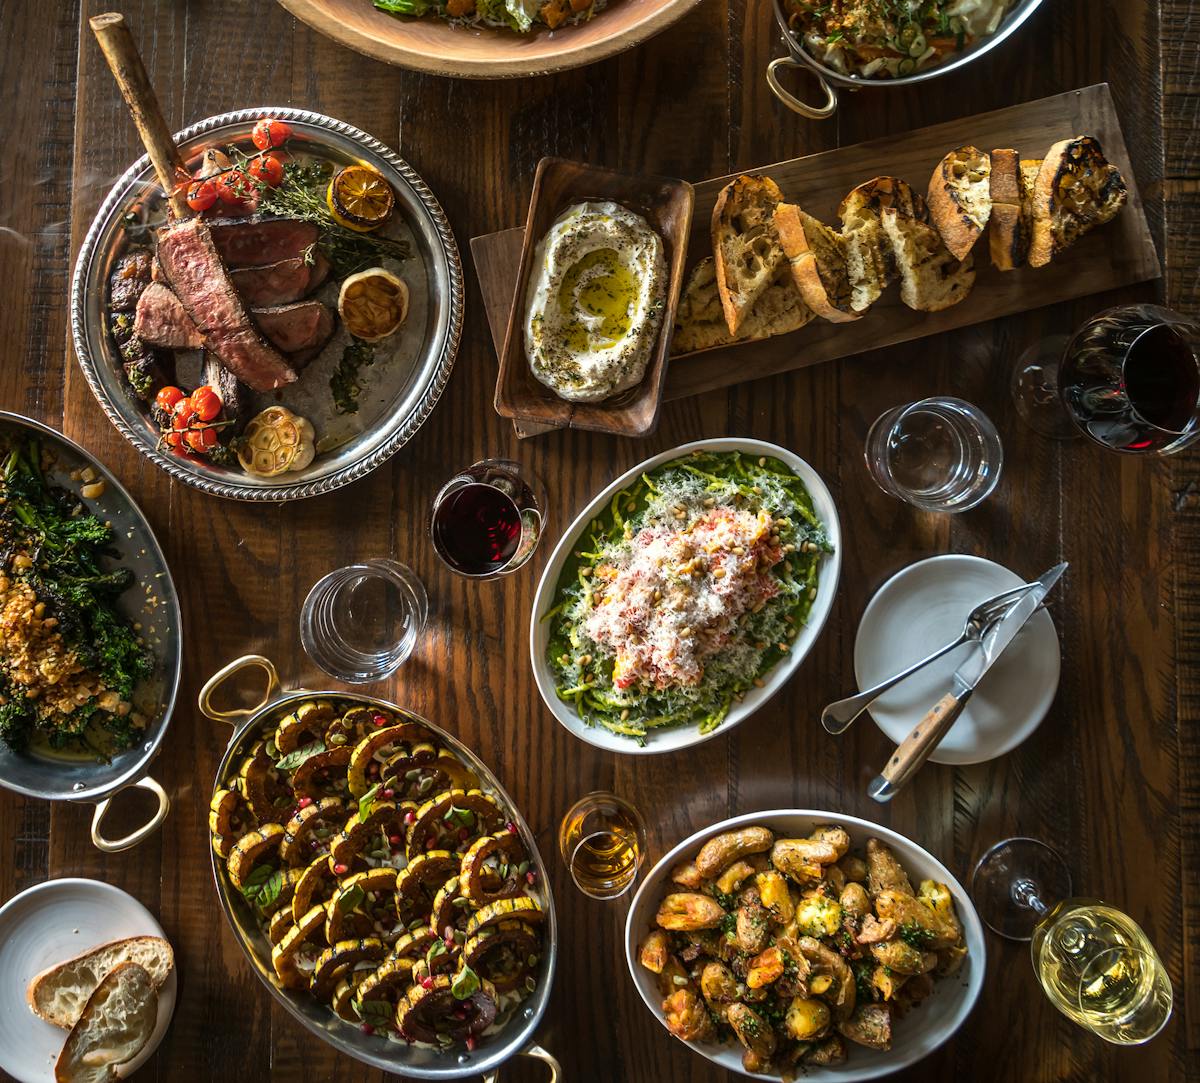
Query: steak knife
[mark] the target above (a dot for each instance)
(925, 736)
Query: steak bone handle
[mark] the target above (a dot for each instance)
(914, 750)
(125, 63)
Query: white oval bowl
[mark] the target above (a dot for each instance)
(674, 738)
(918, 1034)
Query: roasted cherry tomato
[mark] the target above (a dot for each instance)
(175, 441)
(267, 169)
(201, 195)
(236, 189)
(206, 402)
(201, 439)
(184, 415)
(270, 133)
(168, 398)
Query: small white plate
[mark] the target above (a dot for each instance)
(924, 607)
(50, 923)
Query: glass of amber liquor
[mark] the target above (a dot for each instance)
(602, 840)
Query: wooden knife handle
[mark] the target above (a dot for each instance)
(125, 63)
(914, 750)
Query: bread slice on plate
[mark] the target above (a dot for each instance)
(931, 279)
(869, 256)
(1075, 190)
(1009, 226)
(115, 1025)
(819, 262)
(700, 321)
(59, 993)
(745, 245)
(960, 199)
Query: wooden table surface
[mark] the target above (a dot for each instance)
(1112, 777)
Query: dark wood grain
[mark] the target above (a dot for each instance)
(1112, 777)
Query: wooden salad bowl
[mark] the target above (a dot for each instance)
(432, 45)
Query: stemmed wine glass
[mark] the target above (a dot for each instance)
(1129, 379)
(1094, 962)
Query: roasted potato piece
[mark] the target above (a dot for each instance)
(883, 870)
(776, 896)
(938, 896)
(818, 915)
(656, 949)
(887, 981)
(855, 902)
(806, 1019)
(854, 868)
(915, 990)
(830, 1051)
(718, 985)
(684, 911)
(752, 1062)
(835, 837)
(916, 920)
(870, 1025)
(820, 984)
(766, 967)
(835, 879)
(734, 876)
(687, 1017)
(721, 852)
(753, 927)
(822, 960)
(752, 1030)
(901, 957)
(685, 874)
(803, 859)
(673, 977)
(874, 931)
(950, 960)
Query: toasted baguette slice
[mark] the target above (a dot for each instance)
(820, 267)
(700, 322)
(1009, 227)
(1076, 189)
(931, 279)
(59, 993)
(745, 245)
(115, 1025)
(960, 199)
(869, 256)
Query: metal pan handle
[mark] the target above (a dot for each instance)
(113, 846)
(813, 112)
(247, 661)
(537, 1053)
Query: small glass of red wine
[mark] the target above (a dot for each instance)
(1129, 379)
(488, 520)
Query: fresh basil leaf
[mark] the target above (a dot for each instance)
(405, 7)
(465, 984)
(376, 1012)
(270, 890)
(294, 759)
(256, 878)
(351, 898)
(366, 801)
(263, 885)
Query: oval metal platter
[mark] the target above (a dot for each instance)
(150, 601)
(399, 390)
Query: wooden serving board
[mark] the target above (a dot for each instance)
(1118, 254)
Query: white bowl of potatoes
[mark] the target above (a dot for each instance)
(746, 961)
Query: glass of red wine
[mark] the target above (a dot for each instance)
(488, 520)
(1129, 379)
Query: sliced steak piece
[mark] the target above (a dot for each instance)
(163, 321)
(283, 282)
(257, 242)
(129, 278)
(196, 275)
(295, 328)
(233, 393)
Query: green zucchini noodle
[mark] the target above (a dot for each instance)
(672, 498)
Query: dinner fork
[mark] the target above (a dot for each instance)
(836, 718)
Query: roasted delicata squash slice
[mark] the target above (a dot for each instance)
(285, 956)
(525, 908)
(494, 868)
(280, 924)
(229, 818)
(503, 954)
(450, 910)
(435, 1013)
(369, 754)
(264, 788)
(444, 772)
(307, 723)
(316, 886)
(364, 905)
(449, 819)
(250, 850)
(419, 882)
(386, 984)
(310, 829)
(345, 994)
(339, 958)
(383, 822)
(321, 775)
(287, 890)
(397, 764)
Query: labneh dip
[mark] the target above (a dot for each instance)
(595, 301)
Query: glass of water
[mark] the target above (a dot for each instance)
(939, 454)
(361, 622)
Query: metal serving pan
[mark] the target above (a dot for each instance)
(401, 396)
(828, 79)
(516, 1039)
(152, 601)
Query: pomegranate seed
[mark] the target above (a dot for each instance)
(471, 1042)
(463, 834)
(410, 817)
(379, 721)
(511, 827)
(366, 1028)
(460, 1013)
(389, 792)
(427, 983)
(339, 869)
(304, 802)
(530, 876)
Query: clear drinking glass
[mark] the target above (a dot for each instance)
(938, 454)
(361, 622)
(602, 840)
(1095, 963)
(487, 521)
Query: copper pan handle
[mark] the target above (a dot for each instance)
(113, 846)
(813, 112)
(225, 673)
(537, 1053)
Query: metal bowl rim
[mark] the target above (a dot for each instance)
(436, 382)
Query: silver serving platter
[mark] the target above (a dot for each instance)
(402, 398)
(150, 601)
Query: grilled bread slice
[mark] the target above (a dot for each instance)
(931, 279)
(1076, 189)
(59, 993)
(745, 245)
(819, 263)
(869, 255)
(700, 322)
(115, 1025)
(960, 199)
(1009, 226)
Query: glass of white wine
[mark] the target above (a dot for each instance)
(1095, 963)
(602, 840)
